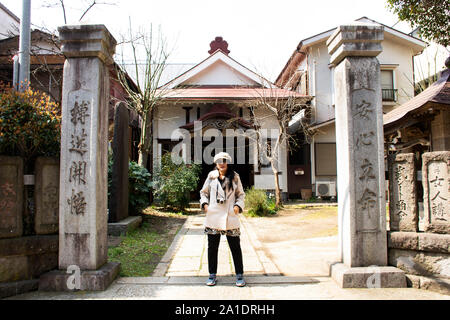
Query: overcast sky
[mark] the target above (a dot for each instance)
(261, 34)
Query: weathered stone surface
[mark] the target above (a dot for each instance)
(83, 171)
(123, 227)
(436, 284)
(412, 281)
(9, 289)
(434, 242)
(421, 263)
(403, 240)
(87, 41)
(357, 39)
(368, 277)
(436, 191)
(359, 139)
(118, 202)
(11, 197)
(13, 268)
(403, 210)
(46, 195)
(97, 280)
(419, 241)
(26, 267)
(28, 245)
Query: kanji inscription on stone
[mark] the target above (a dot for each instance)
(436, 185)
(77, 172)
(79, 112)
(364, 139)
(77, 203)
(403, 210)
(438, 191)
(364, 110)
(78, 143)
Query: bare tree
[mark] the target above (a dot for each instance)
(281, 106)
(86, 5)
(148, 92)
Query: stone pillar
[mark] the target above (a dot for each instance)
(84, 158)
(46, 195)
(403, 210)
(359, 141)
(11, 197)
(436, 191)
(118, 208)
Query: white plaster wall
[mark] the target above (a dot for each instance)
(326, 134)
(168, 118)
(320, 82)
(219, 73)
(266, 179)
(396, 53)
(7, 24)
(431, 61)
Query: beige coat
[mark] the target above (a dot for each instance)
(222, 216)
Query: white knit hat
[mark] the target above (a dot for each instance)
(222, 155)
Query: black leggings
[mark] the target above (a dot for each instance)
(213, 250)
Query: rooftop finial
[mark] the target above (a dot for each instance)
(219, 44)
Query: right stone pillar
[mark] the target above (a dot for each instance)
(359, 141)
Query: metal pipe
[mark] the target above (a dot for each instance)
(24, 47)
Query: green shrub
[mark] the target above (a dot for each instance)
(258, 203)
(139, 186)
(30, 125)
(173, 181)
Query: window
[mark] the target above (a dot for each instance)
(325, 154)
(389, 93)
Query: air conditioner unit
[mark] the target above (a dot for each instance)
(325, 189)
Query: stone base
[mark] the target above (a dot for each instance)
(96, 280)
(124, 226)
(9, 289)
(367, 277)
(436, 284)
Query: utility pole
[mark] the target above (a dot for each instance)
(24, 47)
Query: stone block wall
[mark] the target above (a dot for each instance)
(24, 257)
(424, 256)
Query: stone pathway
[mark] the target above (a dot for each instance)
(188, 254)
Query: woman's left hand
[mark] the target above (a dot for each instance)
(236, 210)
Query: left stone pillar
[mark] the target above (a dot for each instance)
(84, 161)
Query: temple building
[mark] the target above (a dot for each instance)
(216, 101)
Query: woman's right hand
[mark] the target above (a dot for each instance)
(205, 208)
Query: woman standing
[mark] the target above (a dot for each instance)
(222, 198)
